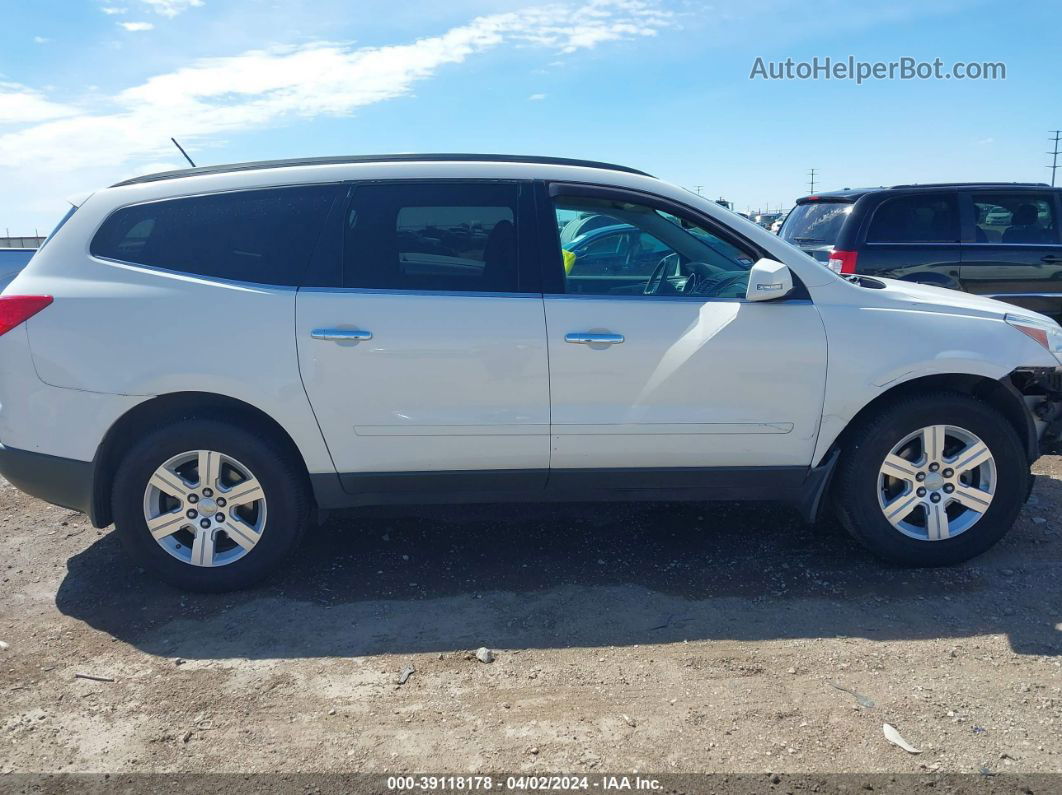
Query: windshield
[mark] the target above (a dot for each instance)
(816, 222)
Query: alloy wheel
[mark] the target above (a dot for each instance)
(205, 508)
(937, 482)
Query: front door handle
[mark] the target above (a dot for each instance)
(592, 338)
(341, 334)
(1052, 259)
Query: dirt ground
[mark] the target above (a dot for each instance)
(656, 638)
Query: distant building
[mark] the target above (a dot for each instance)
(21, 242)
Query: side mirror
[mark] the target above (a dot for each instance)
(768, 279)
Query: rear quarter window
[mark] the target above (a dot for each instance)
(260, 236)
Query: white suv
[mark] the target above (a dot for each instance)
(210, 357)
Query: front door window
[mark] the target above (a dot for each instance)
(620, 248)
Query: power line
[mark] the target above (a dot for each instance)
(811, 174)
(1054, 154)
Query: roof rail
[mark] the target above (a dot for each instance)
(343, 160)
(974, 185)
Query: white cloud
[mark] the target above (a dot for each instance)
(165, 8)
(536, 97)
(23, 105)
(171, 8)
(135, 27)
(40, 40)
(215, 96)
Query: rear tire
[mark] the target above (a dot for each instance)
(204, 485)
(945, 531)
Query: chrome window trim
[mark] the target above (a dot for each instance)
(398, 292)
(192, 276)
(566, 296)
(443, 293)
(680, 298)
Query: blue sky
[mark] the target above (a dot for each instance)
(91, 90)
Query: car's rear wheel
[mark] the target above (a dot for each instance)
(209, 505)
(932, 481)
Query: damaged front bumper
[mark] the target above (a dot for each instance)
(1041, 389)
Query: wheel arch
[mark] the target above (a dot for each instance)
(166, 409)
(1001, 394)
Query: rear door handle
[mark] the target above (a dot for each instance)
(1052, 258)
(590, 338)
(341, 334)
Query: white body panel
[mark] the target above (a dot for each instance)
(463, 382)
(447, 382)
(133, 331)
(45, 419)
(882, 338)
(694, 384)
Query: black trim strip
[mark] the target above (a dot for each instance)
(456, 480)
(61, 481)
(786, 483)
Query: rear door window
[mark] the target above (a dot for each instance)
(258, 236)
(432, 236)
(1015, 218)
(922, 218)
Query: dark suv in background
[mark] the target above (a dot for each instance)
(995, 239)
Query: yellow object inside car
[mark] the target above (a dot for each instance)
(569, 261)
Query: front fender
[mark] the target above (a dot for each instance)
(876, 349)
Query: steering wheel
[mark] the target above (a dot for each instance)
(722, 284)
(705, 279)
(656, 280)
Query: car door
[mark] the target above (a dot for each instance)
(914, 237)
(1013, 251)
(429, 360)
(681, 382)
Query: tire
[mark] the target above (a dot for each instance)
(860, 479)
(269, 527)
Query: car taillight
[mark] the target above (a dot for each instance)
(15, 309)
(842, 261)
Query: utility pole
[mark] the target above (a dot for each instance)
(811, 174)
(1054, 155)
(699, 188)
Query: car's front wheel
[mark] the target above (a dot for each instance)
(209, 505)
(932, 481)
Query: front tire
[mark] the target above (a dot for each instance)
(932, 480)
(209, 505)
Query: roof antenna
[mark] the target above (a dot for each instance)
(186, 157)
